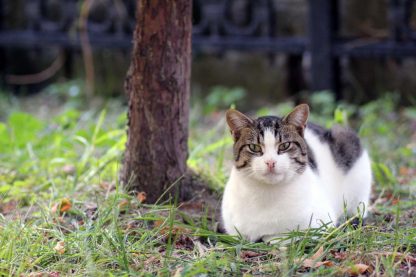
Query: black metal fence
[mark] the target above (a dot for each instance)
(241, 25)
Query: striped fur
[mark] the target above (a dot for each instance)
(288, 172)
(247, 131)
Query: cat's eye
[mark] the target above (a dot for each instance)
(254, 148)
(284, 146)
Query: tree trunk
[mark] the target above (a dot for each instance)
(158, 87)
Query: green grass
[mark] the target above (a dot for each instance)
(48, 158)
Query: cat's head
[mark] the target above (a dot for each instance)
(270, 149)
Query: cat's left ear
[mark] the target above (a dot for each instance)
(298, 117)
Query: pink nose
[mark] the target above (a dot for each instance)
(270, 164)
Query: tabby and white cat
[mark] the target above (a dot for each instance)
(291, 174)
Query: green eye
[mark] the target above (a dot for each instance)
(284, 146)
(254, 148)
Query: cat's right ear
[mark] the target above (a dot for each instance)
(238, 121)
(298, 117)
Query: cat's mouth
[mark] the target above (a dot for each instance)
(275, 174)
(273, 177)
(271, 174)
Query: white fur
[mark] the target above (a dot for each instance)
(260, 204)
(350, 190)
(282, 173)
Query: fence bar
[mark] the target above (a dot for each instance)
(323, 25)
(216, 31)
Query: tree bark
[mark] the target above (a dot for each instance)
(158, 87)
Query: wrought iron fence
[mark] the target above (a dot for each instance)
(219, 25)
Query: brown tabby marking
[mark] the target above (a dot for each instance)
(344, 143)
(289, 129)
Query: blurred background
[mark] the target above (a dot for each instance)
(253, 53)
(63, 65)
(63, 118)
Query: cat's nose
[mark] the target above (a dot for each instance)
(270, 164)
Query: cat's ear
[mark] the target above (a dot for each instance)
(298, 117)
(237, 121)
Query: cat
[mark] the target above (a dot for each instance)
(289, 174)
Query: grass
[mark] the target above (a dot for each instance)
(62, 211)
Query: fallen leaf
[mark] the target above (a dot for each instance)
(318, 253)
(340, 255)
(249, 254)
(60, 247)
(141, 196)
(63, 206)
(123, 204)
(410, 259)
(397, 255)
(325, 263)
(309, 263)
(314, 261)
(357, 269)
(388, 194)
(8, 207)
(107, 186)
(404, 171)
(172, 230)
(191, 206)
(43, 274)
(36, 274)
(158, 223)
(151, 260)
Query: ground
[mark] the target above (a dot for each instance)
(62, 211)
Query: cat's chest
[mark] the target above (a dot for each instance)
(256, 216)
(257, 211)
(266, 202)
(270, 206)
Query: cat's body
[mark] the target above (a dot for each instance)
(289, 176)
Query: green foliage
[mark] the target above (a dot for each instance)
(324, 102)
(222, 98)
(37, 152)
(76, 155)
(23, 129)
(383, 175)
